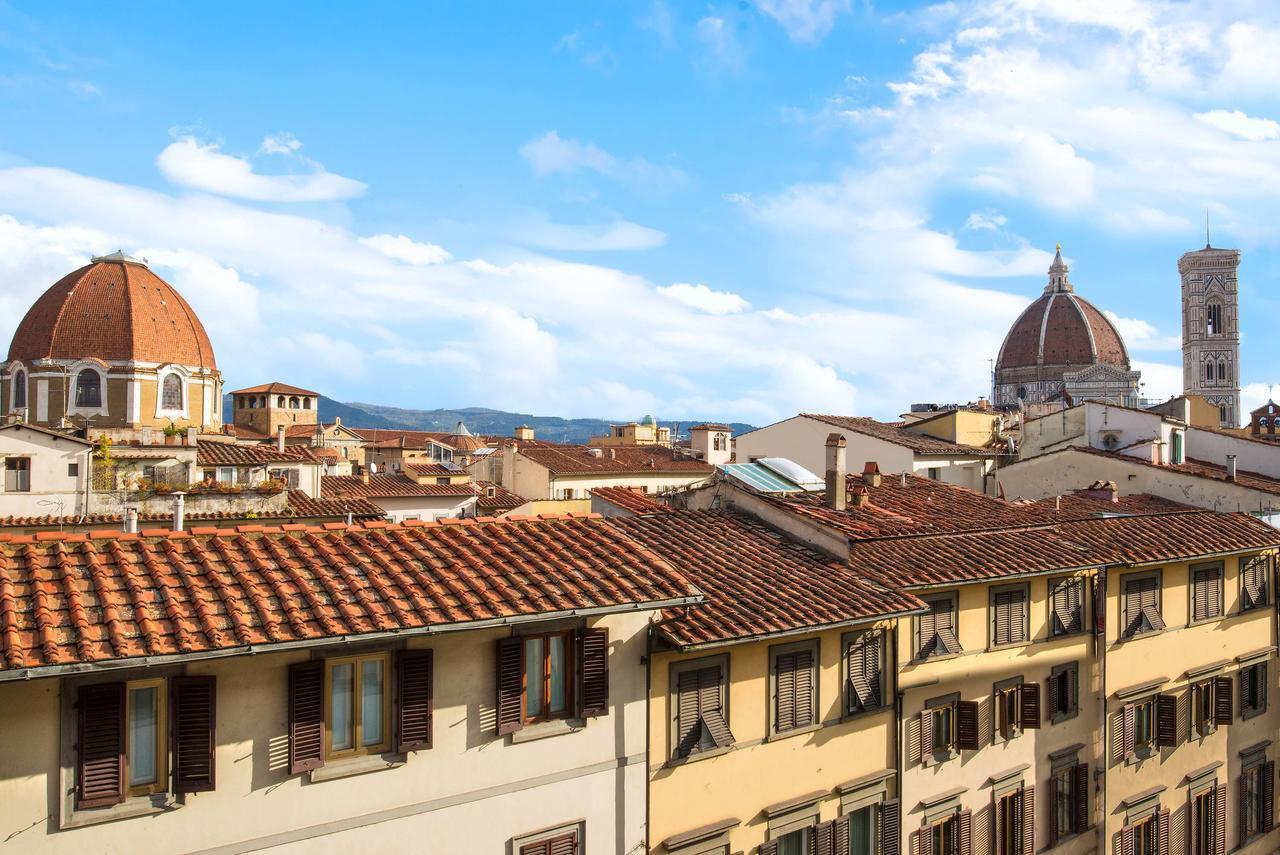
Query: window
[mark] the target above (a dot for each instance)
(122, 739)
(171, 392)
(1253, 689)
(1222, 413)
(700, 722)
(1014, 816)
(1222, 371)
(936, 629)
(1202, 718)
(1141, 837)
(1017, 707)
(795, 687)
(88, 389)
(1141, 604)
(1176, 453)
(944, 730)
(1257, 796)
(1069, 798)
(73, 470)
(1009, 618)
(1064, 692)
(548, 684)
(17, 474)
(944, 836)
(559, 842)
(935, 473)
(20, 389)
(947, 726)
(1213, 319)
(357, 705)
(864, 661)
(1206, 815)
(794, 842)
(1144, 731)
(862, 831)
(1149, 724)
(1206, 592)
(280, 402)
(1255, 574)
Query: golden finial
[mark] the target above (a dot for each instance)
(1058, 248)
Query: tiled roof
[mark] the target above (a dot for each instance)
(434, 469)
(237, 454)
(90, 599)
(1194, 468)
(276, 388)
(921, 443)
(582, 459)
(501, 500)
(1138, 540)
(1081, 504)
(631, 499)
(303, 505)
(386, 438)
(912, 505)
(113, 310)
(756, 582)
(299, 505)
(1061, 328)
(710, 426)
(242, 432)
(379, 486)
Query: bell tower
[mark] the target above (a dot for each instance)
(1211, 329)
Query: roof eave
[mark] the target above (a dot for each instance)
(784, 633)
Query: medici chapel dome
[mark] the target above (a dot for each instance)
(112, 345)
(1062, 343)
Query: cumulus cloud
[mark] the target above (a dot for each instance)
(704, 299)
(551, 154)
(204, 166)
(1241, 125)
(805, 20)
(406, 249)
(721, 48)
(590, 237)
(1141, 335)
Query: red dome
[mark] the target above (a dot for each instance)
(1060, 328)
(113, 309)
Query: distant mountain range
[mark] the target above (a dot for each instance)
(477, 419)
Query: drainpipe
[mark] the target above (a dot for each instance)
(1100, 653)
(899, 736)
(179, 510)
(648, 736)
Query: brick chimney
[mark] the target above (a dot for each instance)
(835, 471)
(860, 496)
(364, 477)
(871, 474)
(1107, 491)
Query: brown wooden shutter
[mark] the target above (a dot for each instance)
(510, 685)
(688, 721)
(924, 841)
(1151, 603)
(1028, 820)
(873, 657)
(1029, 706)
(1126, 733)
(1200, 596)
(1126, 840)
(804, 688)
(890, 828)
(926, 737)
(964, 833)
(1166, 721)
(927, 629)
(100, 745)
(841, 827)
(306, 716)
(565, 844)
(1220, 819)
(1222, 696)
(1051, 690)
(711, 691)
(1083, 797)
(824, 837)
(945, 621)
(967, 725)
(1268, 795)
(1002, 628)
(1162, 831)
(769, 847)
(415, 690)
(1052, 810)
(594, 655)
(784, 679)
(539, 848)
(194, 716)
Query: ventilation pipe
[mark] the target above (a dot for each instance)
(835, 471)
(280, 438)
(131, 520)
(1231, 467)
(179, 511)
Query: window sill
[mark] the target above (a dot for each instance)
(795, 731)
(696, 756)
(1007, 645)
(940, 657)
(1059, 718)
(1246, 714)
(939, 759)
(348, 767)
(850, 715)
(128, 809)
(545, 729)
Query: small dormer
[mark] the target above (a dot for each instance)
(712, 443)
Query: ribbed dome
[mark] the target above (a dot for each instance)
(114, 308)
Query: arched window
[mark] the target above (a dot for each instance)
(171, 392)
(1222, 371)
(306, 403)
(88, 388)
(280, 402)
(293, 403)
(1208, 371)
(1213, 319)
(20, 388)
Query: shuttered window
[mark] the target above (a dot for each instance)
(1207, 822)
(558, 844)
(936, 630)
(1066, 606)
(1063, 692)
(1255, 579)
(194, 734)
(1142, 604)
(1206, 593)
(551, 675)
(864, 662)
(700, 720)
(1069, 802)
(1009, 616)
(1256, 799)
(794, 686)
(1253, 689)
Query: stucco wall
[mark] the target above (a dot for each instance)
(53, 490)
(400, 508)
(471, 792)
(803, 440)
(1251, 455)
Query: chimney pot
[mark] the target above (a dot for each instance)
(871, 474)
(1231, 467)
(860, 496)
(179, 511)
(280, 438)
(364, 477)
(835, 476)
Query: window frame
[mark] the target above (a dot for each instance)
(1006, 692)
(1242, 564)
(1217, 610)
(1253, 765)
(678, 667)
(570, 666)
(812, 645)
(1025, 631)
(947, 706)
(1247, 711)
(73, 399)
(548, 835)
(358, 749)
(1125, 620)
(18, 470)
(953, 597)
(19, 381)
(1201, 706)
(850, 697)
(1149, 748)
(162, 408)
(1053, 584)
(1055, 673)
(161, 783)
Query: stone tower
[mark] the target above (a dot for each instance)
(1211, 329)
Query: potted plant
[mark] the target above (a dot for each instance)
(171, 433)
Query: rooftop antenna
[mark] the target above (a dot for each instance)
(1207, 244)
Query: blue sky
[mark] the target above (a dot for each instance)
(700, 210)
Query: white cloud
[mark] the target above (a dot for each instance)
(281, 143)
(551, 154)
(203, 166)
(722, 50)
(590, 237)
(406, 249)
(985, 221)
(1141, 335)
(704, 299)
(1160, 381)
(805, 20)
(1241, 125)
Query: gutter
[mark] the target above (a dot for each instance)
(306, 644)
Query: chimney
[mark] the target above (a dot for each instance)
(193, 434)
(1106, 491)
(179, 511)
(835, 471)
(613, 455)
(871, 474)
(364, 477)
(1231, 467)
(280, 438)
(524, 433)
(131, 520)
(902, 480)
(860, 496)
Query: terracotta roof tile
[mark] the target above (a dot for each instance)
(387, 438)
(347, 486)
(438, 470)
(90, 600)
(1085, 504)
(756, 581)
(217, 453)
(631, 499)
(921, 443)
(502, 499)
(276, 388)
(1173, 537)
(593, 460)
(1195, 468)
